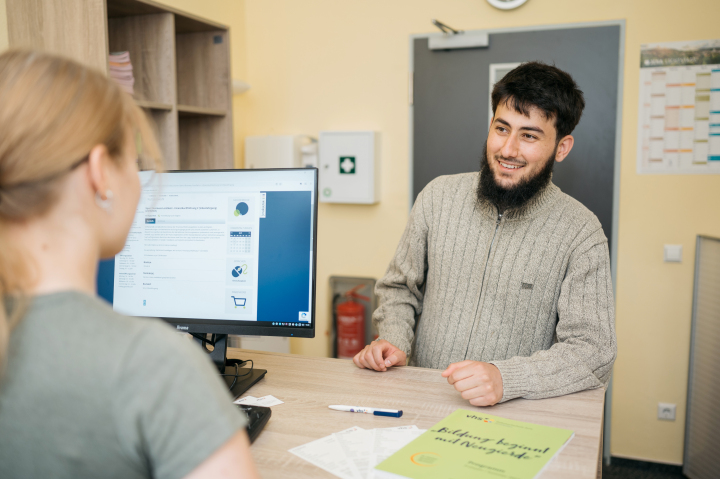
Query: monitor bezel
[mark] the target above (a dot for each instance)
(220, 326)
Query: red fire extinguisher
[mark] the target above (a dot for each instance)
(350, 324)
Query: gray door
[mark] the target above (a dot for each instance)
(450, 107)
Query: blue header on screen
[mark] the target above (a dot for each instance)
(284, 282)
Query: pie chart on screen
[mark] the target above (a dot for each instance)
(241, 209)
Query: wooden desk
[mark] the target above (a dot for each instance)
(309, 385)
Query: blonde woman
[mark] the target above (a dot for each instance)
(84, 391)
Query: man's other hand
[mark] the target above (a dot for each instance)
(379, 355)
(480, 383)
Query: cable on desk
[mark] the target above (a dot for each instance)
(238, 363)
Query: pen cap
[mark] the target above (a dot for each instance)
(390, 414)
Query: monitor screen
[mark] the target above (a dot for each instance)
(224, 252)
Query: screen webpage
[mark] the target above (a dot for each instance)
(231, 246)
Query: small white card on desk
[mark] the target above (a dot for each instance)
(266, 401)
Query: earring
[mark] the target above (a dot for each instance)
(105, 203)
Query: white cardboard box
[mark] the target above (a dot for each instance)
(273, 151)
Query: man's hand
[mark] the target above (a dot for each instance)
(379, 355)
(480, 383)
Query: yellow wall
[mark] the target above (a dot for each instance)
(339, 64)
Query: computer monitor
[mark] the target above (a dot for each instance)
(221, 252)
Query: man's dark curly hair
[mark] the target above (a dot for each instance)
(545, 87)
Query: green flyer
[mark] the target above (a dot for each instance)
(467, 444)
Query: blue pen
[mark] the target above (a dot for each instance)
(369, 410)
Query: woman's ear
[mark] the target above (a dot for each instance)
(98, 162)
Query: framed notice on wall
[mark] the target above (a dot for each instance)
(679, 116)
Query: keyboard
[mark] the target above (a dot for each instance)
(258, 416)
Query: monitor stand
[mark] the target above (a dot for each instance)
(246, 376)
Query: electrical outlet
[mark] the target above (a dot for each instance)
(666, 411)
(673, 253)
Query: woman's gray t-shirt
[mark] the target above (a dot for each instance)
(90, 393)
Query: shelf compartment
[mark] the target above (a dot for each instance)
(165, 125)
(205, 142)
(150, 39)
(203, 69)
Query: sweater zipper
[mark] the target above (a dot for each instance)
(492, 243)
(497, 225)
(482, 283)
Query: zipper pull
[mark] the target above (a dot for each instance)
(499, 219)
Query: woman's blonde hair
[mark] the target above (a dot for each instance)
(53, 111)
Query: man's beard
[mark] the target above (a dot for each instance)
(515, 196)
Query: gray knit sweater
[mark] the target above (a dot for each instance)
(528, 291)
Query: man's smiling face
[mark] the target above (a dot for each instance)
(519, 147)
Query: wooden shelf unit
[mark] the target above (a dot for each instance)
(181, 65)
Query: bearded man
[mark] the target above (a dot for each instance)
(501, 279)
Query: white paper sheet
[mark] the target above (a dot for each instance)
(387, 442)
(357, 446)
(327, 454)
(354, 452)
